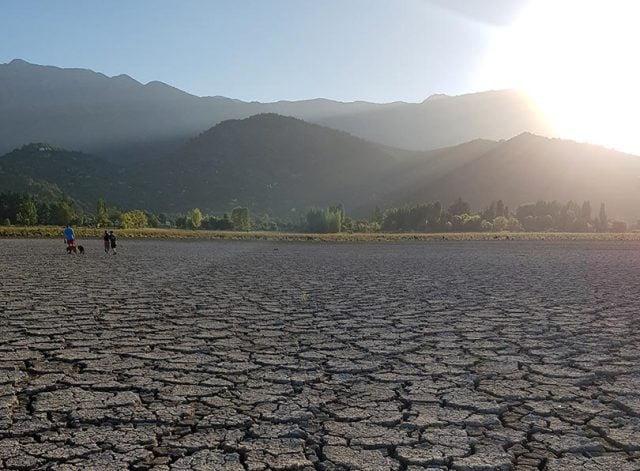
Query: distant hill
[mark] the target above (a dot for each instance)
(121, 118)
(524, 169)
(442, 120)
(269, 163)
(282, 166)
(50, 172)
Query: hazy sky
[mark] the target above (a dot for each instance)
(375, 50)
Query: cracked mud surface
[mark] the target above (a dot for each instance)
(283, 356)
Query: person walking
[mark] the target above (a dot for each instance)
(69, 238)
(112, 240)
(107, 242)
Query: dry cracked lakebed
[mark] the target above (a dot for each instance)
(290, 356)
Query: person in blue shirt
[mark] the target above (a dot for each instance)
(70, 238)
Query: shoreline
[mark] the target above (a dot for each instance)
(52, 232)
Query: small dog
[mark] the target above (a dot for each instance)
(80, 249)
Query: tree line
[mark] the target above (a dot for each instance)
(541, 216)
(25, 210)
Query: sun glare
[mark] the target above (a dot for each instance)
(578, 61)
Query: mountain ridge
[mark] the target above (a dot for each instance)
(123, 119)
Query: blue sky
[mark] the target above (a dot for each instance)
(375, 50)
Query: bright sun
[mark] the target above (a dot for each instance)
(579, 61)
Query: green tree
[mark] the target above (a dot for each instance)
(325, 220)
(27, 214)
(603, 223)
(102, 213)
(422, 217)
(152, 219)
(181, 222)
(226, 223)
(213, 223)
(500, 223)
(338, 218)
(514, 225)
(240, 219)
(585, 211)
(264, 223)
(61, 213)
(486, 226)
(44, 213)
(114, 215)
(472, 223)
(489, 214)
(377, 216)
(135, 219)
(459, 207)
(194, 218)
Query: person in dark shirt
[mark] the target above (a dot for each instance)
(107, 241)
(112, 240)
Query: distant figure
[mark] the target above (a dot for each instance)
(69, 239)
(107, 241)
(112, 240)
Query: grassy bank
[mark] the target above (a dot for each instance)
(149, 233)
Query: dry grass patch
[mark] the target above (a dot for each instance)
(149, 233)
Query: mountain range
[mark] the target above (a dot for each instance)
(83, 134)
(123, 119)
(282, 165)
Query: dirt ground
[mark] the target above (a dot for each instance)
(249, 355)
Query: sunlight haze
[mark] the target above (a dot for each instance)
(574, 59)
(577, 61)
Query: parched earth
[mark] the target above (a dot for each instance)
(289, 356)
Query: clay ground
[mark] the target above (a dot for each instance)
(314, 356)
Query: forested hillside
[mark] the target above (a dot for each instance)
(282, 166)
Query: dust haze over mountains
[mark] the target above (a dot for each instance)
(155, 147)
(120, 117)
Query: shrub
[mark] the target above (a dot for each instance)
(618, 226)
(213, 223)
(500, 223)
(472, 223)
(61, 213)
(240, 219)
(326, 220)
(194, 218)
(133, 220)
(27, 214)
(102, 213)
(514, 225)
(153, 220)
